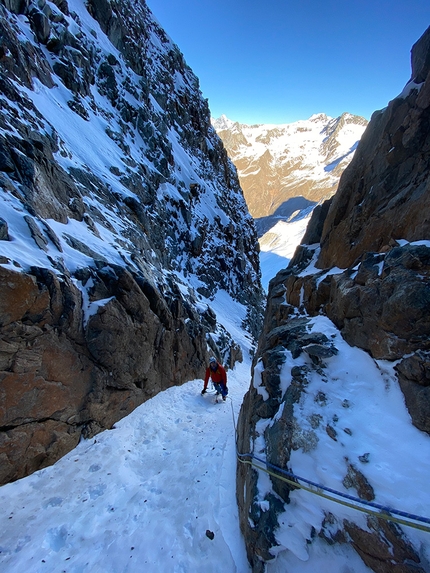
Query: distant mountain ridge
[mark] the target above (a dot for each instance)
(277, 162)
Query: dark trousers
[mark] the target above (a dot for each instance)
(221, 388)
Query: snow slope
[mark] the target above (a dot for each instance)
(137, 498)
(278, 245)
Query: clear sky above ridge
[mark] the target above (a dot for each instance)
(278, 61)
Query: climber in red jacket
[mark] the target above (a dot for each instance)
(218, 376)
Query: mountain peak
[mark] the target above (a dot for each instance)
(278, 162)
(319, 117)
(222, 122)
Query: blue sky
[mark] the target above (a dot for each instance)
(277, 61)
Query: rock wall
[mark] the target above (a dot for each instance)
(381, 301)
(121, 218)
(364, 264)
(61, 378)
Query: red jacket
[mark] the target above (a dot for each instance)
(218, 376)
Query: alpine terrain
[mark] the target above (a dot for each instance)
(128, 258)
(285, 171)
(333, 434)
(301, 160)
(121, 221)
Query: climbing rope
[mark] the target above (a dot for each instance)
(385, 512)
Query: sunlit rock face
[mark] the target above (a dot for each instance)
(277, 163)
(121, 219)
(383, 196)
(364, 263)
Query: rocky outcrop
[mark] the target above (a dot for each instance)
(382, 305)
(62, 377)
(364, 264)
(384, 193)
(268, 428)
(122, 217)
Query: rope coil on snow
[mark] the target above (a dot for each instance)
(385, 512)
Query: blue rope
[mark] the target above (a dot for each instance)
(374, 505)
(387, 511)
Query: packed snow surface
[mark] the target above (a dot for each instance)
(139, 497)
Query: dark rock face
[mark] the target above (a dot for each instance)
(281, 330)
(370, 243)
(121, 219)
(414, 377)
(315, 226)
(421, 59)
(3, 230)
(382, 305)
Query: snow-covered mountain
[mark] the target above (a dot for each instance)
(278, 162)
(121, 218)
